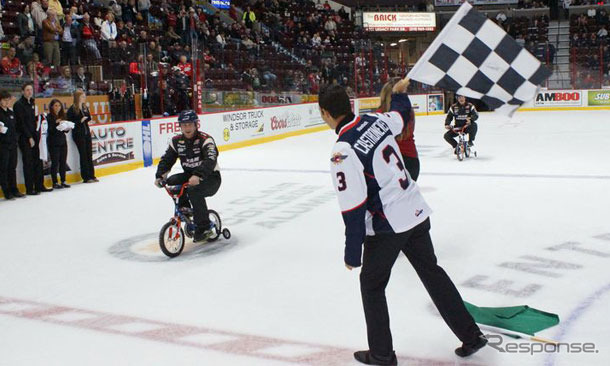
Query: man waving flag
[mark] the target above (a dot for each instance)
(475, 57)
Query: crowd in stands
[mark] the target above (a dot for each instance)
(257, 45)
(589, 49)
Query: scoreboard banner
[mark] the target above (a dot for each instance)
(221, 4)
(398, 22)
(473, 2)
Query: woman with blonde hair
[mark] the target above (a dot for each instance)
(405, 140)
(80, 115)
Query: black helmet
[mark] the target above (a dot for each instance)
(188, 116)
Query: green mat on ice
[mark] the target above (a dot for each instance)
(521, 318)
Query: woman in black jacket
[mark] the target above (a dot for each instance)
(80, 115)
(56, 141)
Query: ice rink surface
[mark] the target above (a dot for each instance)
(527, 222)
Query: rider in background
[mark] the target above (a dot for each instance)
(465, 114)
(198, 156)
(405, 140)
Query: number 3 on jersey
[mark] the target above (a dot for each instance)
(388, 151)
(342, 186)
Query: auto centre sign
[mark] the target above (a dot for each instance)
(398, 22)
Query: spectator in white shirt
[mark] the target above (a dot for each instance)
(330, 25)
(602, 32)
(220, 38)
(109, 33)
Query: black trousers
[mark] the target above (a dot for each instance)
(68, 54)
(32, 166)
(85, 153)
(59, 154)
(196, 195)
(412, 166)
(470, 130)
(380, 253)
(8, 167)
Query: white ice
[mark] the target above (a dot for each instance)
(84, 283)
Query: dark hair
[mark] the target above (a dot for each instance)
(4, 94)
(334, 100)
(25, 85)
(61, 113)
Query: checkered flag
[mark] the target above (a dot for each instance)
(474, 57)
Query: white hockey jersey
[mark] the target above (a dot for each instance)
(376, 193)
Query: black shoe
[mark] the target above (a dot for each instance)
(9, 197)
(32, 193)
(468, 349)
(18, 194)
(57, 186)
(64, 185)
(470, 143)
(44, 189)
(202, 235)
(369, 359)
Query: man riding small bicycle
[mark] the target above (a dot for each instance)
(464, 114)
(198, 156)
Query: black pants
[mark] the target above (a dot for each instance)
(32, 166)
(380, 253)
(196, 195)
(59, 154)
(412, 166)
(470, 130)
(8, 167)
(68, 54)
(85, 153)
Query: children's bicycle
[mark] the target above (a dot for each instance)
(173, 234)
(463, 150)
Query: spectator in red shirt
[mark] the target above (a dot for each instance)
(11, 64)
(185, 66)
(88, 37)
(405, 140)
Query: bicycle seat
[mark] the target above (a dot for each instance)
(174, 189)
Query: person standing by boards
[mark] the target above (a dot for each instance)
(383, 208)
(29, 141)
(79, 114)
(9, 137)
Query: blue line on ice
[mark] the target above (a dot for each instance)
(564, 326)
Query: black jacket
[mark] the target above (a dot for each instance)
(25, 115)
(198, 156)
(22, 22)
(10, 138)
(81, 83)
(81, 129)
(55, 137)
(460, 113)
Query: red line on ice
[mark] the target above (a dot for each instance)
(234, 343)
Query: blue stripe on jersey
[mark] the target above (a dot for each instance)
(375, 207)
(365, 137)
